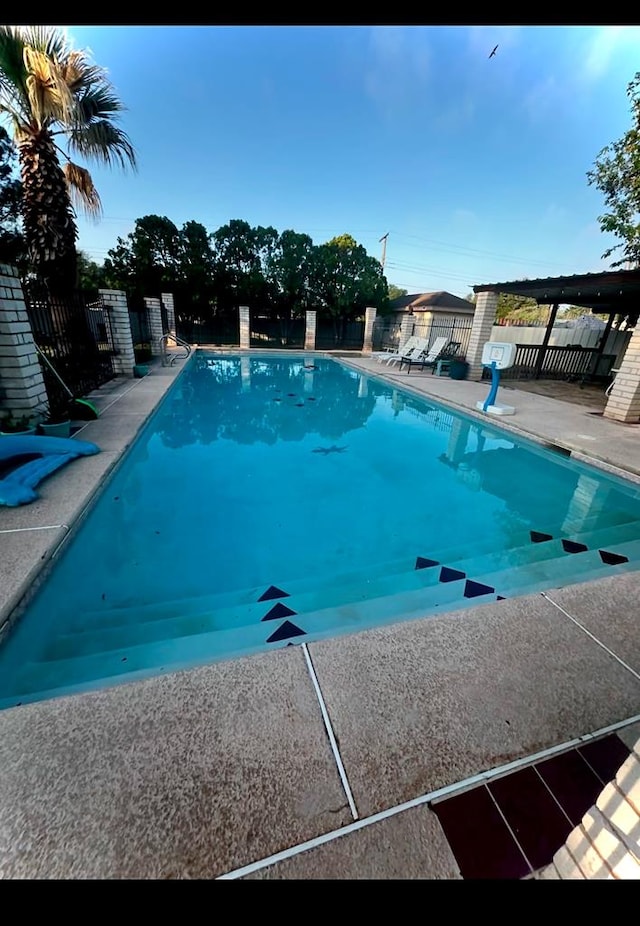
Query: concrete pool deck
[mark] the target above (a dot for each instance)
(321, 760)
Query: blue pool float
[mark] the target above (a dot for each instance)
(17, 488)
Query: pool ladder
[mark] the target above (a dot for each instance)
(170, 359)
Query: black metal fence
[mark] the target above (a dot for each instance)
(74, 334)
(572, 362)
(140, 328)
(218, 331)
(339, 335)
(386, 331)
(277, 333)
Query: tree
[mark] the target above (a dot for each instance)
(522, 308)
(12, 246)
(49, 91)
(346, 280)
(90, 274)
(616, 174)
(395, 291)
(147, 262)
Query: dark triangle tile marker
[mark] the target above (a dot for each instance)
(286, 630)
(500, 598)
(474, 589)
(273, 592)
(422, 563)
(537, 537)
(612, 559)
(451, 575)
(277, 611)
(570, 546)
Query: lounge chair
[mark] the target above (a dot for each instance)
(382, 356)
(428, 357)
(411, 353)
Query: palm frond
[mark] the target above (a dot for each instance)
(97, 101)
(50, 41)
(81, 189)
(104, 142)
(49, 95)
(13, 75)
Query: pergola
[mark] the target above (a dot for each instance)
(612, 292)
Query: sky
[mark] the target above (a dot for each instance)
(474, 167)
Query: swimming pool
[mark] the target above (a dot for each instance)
(272, 500)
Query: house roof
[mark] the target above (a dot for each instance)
(423, 302)
(610, 291)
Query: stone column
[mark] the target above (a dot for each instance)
(167, 301)
(406, 328)
(310, 330)
(624, 399)
(154, 315)
(604, 845)
(369, 319)
(22, 389)
(245, 328)
(483, 319)
(115, 305)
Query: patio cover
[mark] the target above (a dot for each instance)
(612, 292)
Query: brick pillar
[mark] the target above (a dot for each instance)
(115, 305)
(22, 388)
(624, 399)
(604, 845)
(245, 328)
(369, 319)
(167, 301)
(155, 324)
(406, 329)
(310, 330)
(483, 319)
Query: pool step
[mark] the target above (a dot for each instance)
(207, 619)
(107, 616)
(139, 660)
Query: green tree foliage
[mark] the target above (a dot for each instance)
(242, 258)
(520, 308)
(12, 244)
(52, 94)
(346, 280)
(395, 291)
(279, 276)
(616, 173)
(146, 262)
(91, 275)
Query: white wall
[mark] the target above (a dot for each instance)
(560, 337)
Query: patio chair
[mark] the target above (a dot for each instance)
(384, 355)
(412, 353)
(428, 357)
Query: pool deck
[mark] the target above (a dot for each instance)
(317, 761)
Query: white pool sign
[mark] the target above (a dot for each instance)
(496, 356)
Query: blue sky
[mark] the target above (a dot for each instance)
(475, 167)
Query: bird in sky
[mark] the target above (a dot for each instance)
(493, 52)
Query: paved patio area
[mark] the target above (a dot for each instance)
(318, 761)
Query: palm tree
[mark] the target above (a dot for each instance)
(50, 93)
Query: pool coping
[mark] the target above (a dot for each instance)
(84, 504)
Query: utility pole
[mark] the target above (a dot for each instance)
(384, 248)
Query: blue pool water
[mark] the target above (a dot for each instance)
(279, 499)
